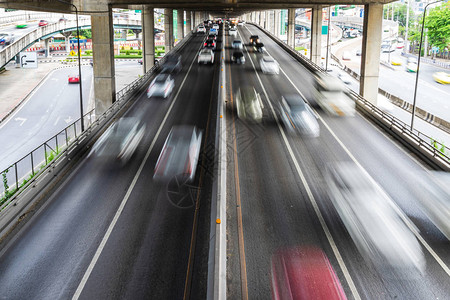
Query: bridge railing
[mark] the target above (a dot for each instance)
(433, 151)
(23, 173)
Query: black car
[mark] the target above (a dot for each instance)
(238, 57)
(172, 64)
(211, 37)
(258, 47)
(254, 39)
(210, 43)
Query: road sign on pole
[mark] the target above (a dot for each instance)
(28, 60)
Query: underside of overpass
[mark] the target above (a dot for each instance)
(263, 12)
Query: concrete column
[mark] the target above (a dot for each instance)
(371, 44)
(103, 55)
(123, 34)
(47, 47)
(272, 21)
(266, 20)
(277, 22)
(316, 34)
(188, 22)
(180, 24)
(168, 29)
(148, 29)
(291, 28)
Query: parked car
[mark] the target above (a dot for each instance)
(74, 78)
(238, 57)
(161, 86)
(42, 23)
(6, 38)
(179, 155)
(269, 65)
(206, 56)
(298, 117)
(249, 105)
(237, 44)
(120, 140)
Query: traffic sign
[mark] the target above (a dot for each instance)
(28, 60)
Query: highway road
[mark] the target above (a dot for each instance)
(52, 106)
(148, 249)
(109, 231)
(277, 193)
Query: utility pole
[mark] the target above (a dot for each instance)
(406, 48)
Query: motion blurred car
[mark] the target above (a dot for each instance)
(206, 56)
(241, 23)
(179, 155)
(21, 26)
(304, 273)
(254, 39)
(6, 38)
(345, 78)
(233, 31)
(259, 48)
(249, 105)
(269, 65)
(42, 23)
(434, 197)
(396, 61)
(63, 19)
(237, 44)
(441, 77)
(298, 117)
(161, 86)
(332, 96)
(172, 64)
(346, 55)
(238, 57)
(74, 78)
(140, 61)
(201, 29)
(120, 140)
(210, 44)
(358, 52)
(411, 67)
(379, 233)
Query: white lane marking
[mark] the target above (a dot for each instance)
(21, 120)
(56, 121)
(313, 201)
(26, 100)
(127, 196)
(397, 209)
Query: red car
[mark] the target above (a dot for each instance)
(304, 273)
(42, 23)
(74, 79)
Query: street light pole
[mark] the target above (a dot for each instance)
(328, 37)
(418, 62)
(79, 70)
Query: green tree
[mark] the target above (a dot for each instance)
(438, 24)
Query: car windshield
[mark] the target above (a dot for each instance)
(268, 59)
(160, 78)
(205, 52)
(238, 54)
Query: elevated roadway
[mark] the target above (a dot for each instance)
(276, 197)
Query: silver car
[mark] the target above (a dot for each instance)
(206, 56)
(179, 155)
(161, 86)
(237, 44)
(269, 65)
(298, 117)
(249, 105)
(120, 140)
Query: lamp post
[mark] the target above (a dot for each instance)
(418, 62)
(328, 37)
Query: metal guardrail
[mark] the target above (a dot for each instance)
(20, 174)
(436, 152)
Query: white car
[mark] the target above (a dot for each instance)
(345, 78)
(201, 28)
(161, 86)
(216, 26)
(179, 155)
(249, 105)
(298, 117)
(237, 44)
(206, 56)
(332, 96)
(233, 31)
(269, 65)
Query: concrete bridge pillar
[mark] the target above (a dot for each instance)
(188, 22)
(277, 22)
(148, 28)
(103, 55)
(316, 34)
(66, 35)
(123, 34)
(180, 24)
(47, 47)
(371, 44)
(267, 20)
(168, 29)
(291, 28)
